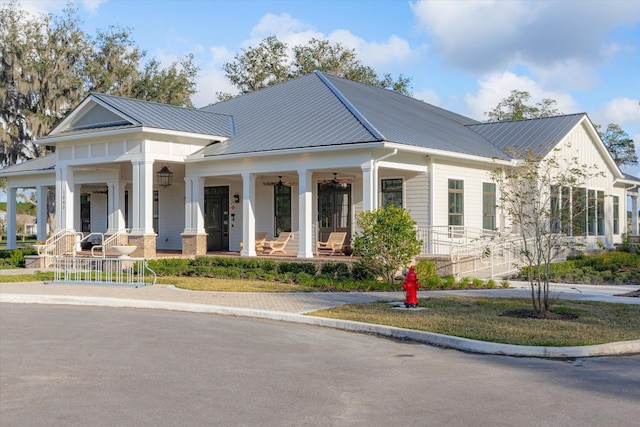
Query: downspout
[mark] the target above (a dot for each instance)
(375, 175)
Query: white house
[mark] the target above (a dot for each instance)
(304, 156)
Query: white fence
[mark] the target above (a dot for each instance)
(103, 271)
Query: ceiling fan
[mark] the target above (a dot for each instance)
(279, 182)
(335, 180)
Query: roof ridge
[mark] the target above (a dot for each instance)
(126, 98)
(352, 109)
(526, 120)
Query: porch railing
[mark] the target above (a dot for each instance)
(119, 238)
(103, 271)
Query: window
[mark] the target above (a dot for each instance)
(592, 212)
(391, 192)
(282, 208)
(579, 211)
(156, 210)
(488, 206)
(600, 213)
(616, 215)
(456, 206)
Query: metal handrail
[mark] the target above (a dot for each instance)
(120, 237)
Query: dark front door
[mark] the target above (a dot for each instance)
(216, 218)
(334, 209)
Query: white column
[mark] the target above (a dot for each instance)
(142, 197)
(41, 212)
(248, 214)
(194, 205)
(634, 215)
(11, 218)
(64, 198)
(368, 187)
(115, 206)
(305, 214)
(77, 196)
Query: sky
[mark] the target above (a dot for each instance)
(464, 56)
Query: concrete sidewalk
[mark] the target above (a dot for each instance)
(292, 307)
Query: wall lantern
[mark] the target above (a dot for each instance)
(165, 177)
(236, 198)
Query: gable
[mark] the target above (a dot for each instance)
(96, 116)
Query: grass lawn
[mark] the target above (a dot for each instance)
(475, 318)
(482, 319)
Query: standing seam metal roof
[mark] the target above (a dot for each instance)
(538, 135)
(171, 117)
(324, 110)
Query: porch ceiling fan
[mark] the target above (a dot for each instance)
(337, 180)
(279, 182)
(105, 191)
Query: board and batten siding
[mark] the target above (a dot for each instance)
(580, 144)
(170, 215)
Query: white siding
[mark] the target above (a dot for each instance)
(472, 176)
(170, 216)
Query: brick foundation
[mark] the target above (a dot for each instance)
(194, 244)
(146, 244)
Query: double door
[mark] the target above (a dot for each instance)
(334, 210)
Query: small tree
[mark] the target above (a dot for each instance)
(535, 194)
(387, 240)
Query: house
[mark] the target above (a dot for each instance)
(305, 156)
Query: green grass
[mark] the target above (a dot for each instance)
(481, 319)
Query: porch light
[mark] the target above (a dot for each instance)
(236, 198)
(165, 177)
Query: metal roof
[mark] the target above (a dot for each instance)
(406, 120)
(298, 113)
(323, 110)
(39, 164)
(536, 135)
(164, 116)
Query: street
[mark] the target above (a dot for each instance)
(78, 366)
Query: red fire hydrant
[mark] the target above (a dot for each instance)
(411, 287)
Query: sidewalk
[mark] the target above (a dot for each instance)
(292, 307)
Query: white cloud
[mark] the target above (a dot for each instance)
(494, 87)
(485, 36)
(92, 5)
(211, 78)
(429, 96)
(295, 32)
(622, 111)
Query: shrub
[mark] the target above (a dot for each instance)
(387, 240)
(361, 272)
(336, 270)
(297, 267)
(425, 269)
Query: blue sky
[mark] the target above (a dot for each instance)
(462, 55)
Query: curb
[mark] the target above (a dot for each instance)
(457, 343)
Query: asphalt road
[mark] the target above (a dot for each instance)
(90, 366)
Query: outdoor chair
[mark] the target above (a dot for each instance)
(334, 243)
(261, 238)
(279, 244)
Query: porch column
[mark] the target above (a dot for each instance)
(368, 187)
(142, 234)
(115, 204)
(11, 218)
(248, 214)
(142, 197)
(41, 212)
(634, 215)
(305, 214)
(194, 237)
(65, 202)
